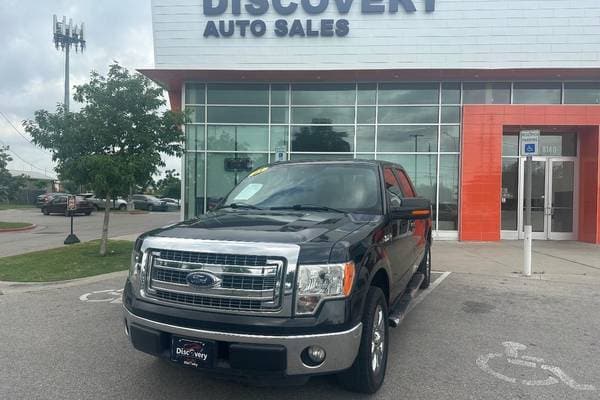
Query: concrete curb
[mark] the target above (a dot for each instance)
(7, 287)
(25, 228)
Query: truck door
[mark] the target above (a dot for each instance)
(417, 227)
(399, 247)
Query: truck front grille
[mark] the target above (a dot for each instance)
(244, 282)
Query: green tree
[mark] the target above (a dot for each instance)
(116, 140)
(170, 185)
(9, 185)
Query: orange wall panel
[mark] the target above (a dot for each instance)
(481, 163)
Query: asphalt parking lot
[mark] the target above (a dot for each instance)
(471, 337)
(52, 230)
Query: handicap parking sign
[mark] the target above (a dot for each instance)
(530, 148)
(529, 142)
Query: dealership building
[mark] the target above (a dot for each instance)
(442, 87)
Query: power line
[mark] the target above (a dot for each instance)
(22, 159)
(20, 134)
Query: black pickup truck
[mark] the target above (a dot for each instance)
(299, 271)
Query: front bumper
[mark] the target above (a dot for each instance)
(341, 347)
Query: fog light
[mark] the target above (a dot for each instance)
(316, 354)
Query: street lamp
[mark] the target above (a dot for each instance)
(65, 36)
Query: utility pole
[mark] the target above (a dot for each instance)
(67, 35)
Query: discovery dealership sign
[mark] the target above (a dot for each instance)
(287, 27)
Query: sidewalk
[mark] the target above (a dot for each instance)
(552, 260)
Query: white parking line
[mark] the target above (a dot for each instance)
(425, 292)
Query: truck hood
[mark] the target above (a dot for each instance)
(268, 226)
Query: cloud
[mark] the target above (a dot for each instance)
(32, 70)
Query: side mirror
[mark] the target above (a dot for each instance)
(412, 208)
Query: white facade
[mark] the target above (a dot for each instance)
(459, 34)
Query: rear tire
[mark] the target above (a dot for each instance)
(122, 207)
(45, 211)
(368, 371)
(425, 266)
(88, 213)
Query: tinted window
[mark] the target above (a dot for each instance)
(323, 94)
(392, 187)
(405, 185)
(537, 93)
(582, 93)
(486, 93)
(348, 187)
(238, 94)
(408, 93)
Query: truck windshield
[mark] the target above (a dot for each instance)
(350, 188)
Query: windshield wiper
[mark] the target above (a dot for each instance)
(309, 207)
(240, 205)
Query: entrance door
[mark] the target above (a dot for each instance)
(553, 213)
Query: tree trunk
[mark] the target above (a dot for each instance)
(104, 240)
(130, 199)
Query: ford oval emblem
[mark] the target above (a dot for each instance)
(202, 279)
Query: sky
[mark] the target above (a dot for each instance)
(32, 70)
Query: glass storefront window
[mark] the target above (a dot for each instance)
(318, 157)
(238, 115)
(582, 93)
(237, 138)
(407, 115)
(450, 138)
(450, 115)
(407, 139)
(408, 93)
(194, 184)
(510, 145)
(451, 93)
(194, 137)
(486, 93)
(279, 115)
(510, 191)
(194, 93)
(365, 115)
(280, 94)
(222, 179)
(365, 138)
(448, 193)
(195, 114)
(323, 94)
(323, 115)
(279, 137)
(537, 93)
(367, 93)
(323, 139)
(227, 93)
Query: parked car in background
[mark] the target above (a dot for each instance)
(58, 205)
(172, 204)
(115, 204)
(150, 203)
(44, 198)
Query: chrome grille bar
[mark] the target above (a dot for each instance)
(254, 287)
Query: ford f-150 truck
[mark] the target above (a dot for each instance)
(299, 271)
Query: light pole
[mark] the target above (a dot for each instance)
(66, 35)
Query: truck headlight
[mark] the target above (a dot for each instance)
(316, 283)
(136, 259)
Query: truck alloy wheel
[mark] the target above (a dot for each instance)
(368, 371)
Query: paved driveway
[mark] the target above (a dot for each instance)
(68, 343)
(52, 230)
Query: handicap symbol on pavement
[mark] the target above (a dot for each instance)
(511, 354)
(111, 296)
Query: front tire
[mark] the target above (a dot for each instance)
(368, 371)
(122, 207)
(425, 266)
(150, 208)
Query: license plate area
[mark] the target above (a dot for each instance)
(193, 353)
